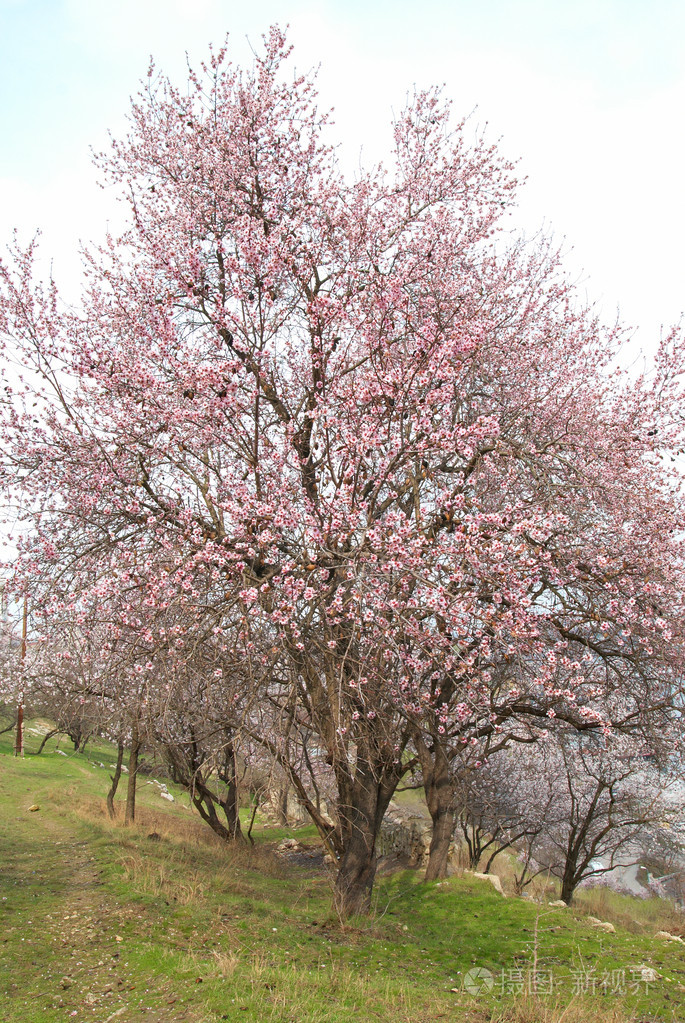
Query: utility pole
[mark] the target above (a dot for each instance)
(19, 741)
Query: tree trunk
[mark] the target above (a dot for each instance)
(230, 804)
(132, 772)
(356, 872)
(362, 806)
(204, 804)
(282, 804)
(441, 839)
(494, 856)
(568, 881)
(230, 808)
(115, 779)
(440, 801)
(48, 735)
(185, 769)
(19, 737)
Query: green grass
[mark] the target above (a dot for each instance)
(99, 922)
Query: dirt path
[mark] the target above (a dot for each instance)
(63, 944)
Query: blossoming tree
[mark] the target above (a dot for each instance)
(345, 418)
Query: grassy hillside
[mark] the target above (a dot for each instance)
(103, 923)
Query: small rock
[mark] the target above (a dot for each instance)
(665, 936)
(601, 925)
(493, 879)
(32, 809)
(648, 975)
(114, 1015)
(559, 904)
(66, 982)
(288, 843)
(168, 796)
(89, 998)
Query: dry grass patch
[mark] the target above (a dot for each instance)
(185, 834)
(175, 874)
(640, 916)
(149, 877)
(529, 1009)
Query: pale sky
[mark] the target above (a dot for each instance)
(588, 94)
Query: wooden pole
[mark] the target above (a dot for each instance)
(19, 741)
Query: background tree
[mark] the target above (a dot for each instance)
(574, 805)
(608, 799)
(499, 808)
